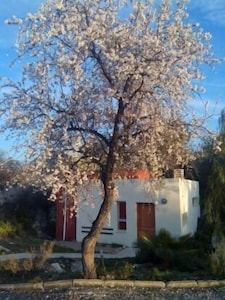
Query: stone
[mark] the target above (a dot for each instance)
(77, 267)
(57, 268)
(3, 249)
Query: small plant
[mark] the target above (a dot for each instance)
(45, 251)
(156, 274)
(27, 265)
(11, 265)
(115, 269)
(7, 229)
(125, 271)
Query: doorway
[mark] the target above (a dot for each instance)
(145, 220)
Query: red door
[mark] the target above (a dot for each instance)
(65, 218)
(145, 220)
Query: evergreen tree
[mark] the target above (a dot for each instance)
(211, 175)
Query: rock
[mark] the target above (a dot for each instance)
(57, 268)
(77, 267)
(3, 249)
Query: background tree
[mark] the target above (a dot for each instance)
(106, 83)
(222, 122)
(211, 175)
(22, 205)
(9, 170)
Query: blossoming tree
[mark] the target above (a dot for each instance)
(105, 85)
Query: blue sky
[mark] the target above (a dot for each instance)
(210, 14)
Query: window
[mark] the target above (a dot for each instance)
(122, 215)
(195, 201)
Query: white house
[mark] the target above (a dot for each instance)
(136, 213)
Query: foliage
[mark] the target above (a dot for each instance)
(217, 258)
(157, 248)
(29, 210)
(7, 229)
(215, 191)
(169, 252)
(157, 274)
(222, 122)
(116, 270)
(106, 85)
(9, 170)
(211, 175)
(203, 236)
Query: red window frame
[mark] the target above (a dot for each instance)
(122, 215)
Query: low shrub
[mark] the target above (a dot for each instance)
(125, 271)
(116, 269)
(7, 229)
(157, 250)
(169, 252)
(11, 265)
(35, 261)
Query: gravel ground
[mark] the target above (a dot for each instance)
(115, 294)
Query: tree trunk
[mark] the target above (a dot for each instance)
(89, 242)
(88, 257)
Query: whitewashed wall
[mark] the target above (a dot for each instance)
(189, 195)
(178, 215)
(168, 215)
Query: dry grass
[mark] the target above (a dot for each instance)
(36, 260)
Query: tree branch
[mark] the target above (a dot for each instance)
(88, 130)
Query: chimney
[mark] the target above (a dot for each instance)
(178, 173)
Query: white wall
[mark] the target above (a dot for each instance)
(168, 215)
(190, 209)
(179, 215)
(171, 216)
(129, 191)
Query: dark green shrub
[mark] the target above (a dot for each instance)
(157, 250)
(166, 251)
(146, 251)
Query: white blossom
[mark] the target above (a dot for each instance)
(90, 65)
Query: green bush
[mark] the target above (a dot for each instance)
(7, 229)
(169, 252)
(157, 250)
